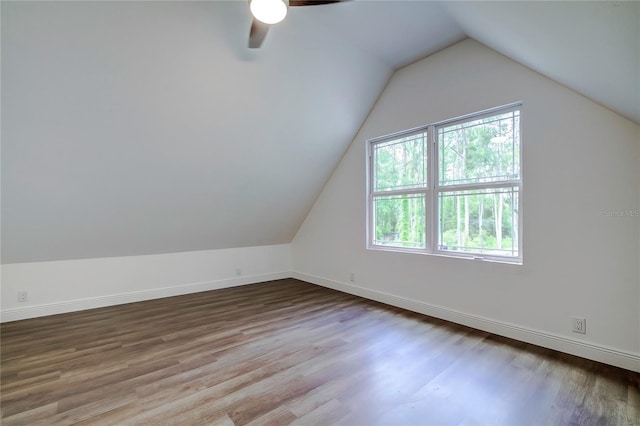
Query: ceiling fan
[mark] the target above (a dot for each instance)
(268, 12)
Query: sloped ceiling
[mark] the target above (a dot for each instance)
(592, 47)
(149, 127)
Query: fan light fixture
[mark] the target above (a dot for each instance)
(269, 11)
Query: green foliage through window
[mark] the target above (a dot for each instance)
(400, 220)
(471, 208)
(484, 150)
(401, 164)
(479, 221)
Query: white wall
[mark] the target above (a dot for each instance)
(133, 128)
(70, 285)
(580, 160)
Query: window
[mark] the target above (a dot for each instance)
(451, 188)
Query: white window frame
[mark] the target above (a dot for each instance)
(433, 188)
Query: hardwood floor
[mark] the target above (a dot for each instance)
(288, 352)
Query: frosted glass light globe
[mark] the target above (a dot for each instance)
(268, 11)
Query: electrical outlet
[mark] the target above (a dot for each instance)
(22, 296)
(238, 271)
(352, 277)
(579, 325)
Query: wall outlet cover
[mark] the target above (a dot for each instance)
(579, 325)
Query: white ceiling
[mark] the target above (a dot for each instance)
(396, 32)
(592, 47)
(149, 127)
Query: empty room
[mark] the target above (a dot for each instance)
(274, 212)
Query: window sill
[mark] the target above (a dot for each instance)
(476, 258)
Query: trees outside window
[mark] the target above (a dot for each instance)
(450, 188)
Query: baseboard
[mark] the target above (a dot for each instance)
(136, 296)
(607, 355)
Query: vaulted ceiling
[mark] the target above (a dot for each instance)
(149, 127)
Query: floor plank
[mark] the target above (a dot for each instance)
(288, 352)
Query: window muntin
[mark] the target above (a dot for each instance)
(399, 220)
(471, 206)
(482, 150)
(479, 221)
(401, 163)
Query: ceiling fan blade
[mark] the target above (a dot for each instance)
(312, 2)
(257, 33)
(259, 29)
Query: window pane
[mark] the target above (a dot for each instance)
(479, 221)
(399, 220)
(483, 150)
(400, 164)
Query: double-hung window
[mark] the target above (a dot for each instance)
(452, 188)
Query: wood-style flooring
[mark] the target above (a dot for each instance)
(288, 352)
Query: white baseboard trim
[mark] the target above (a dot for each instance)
(607, 355)
(600, 353)
(135, 296)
